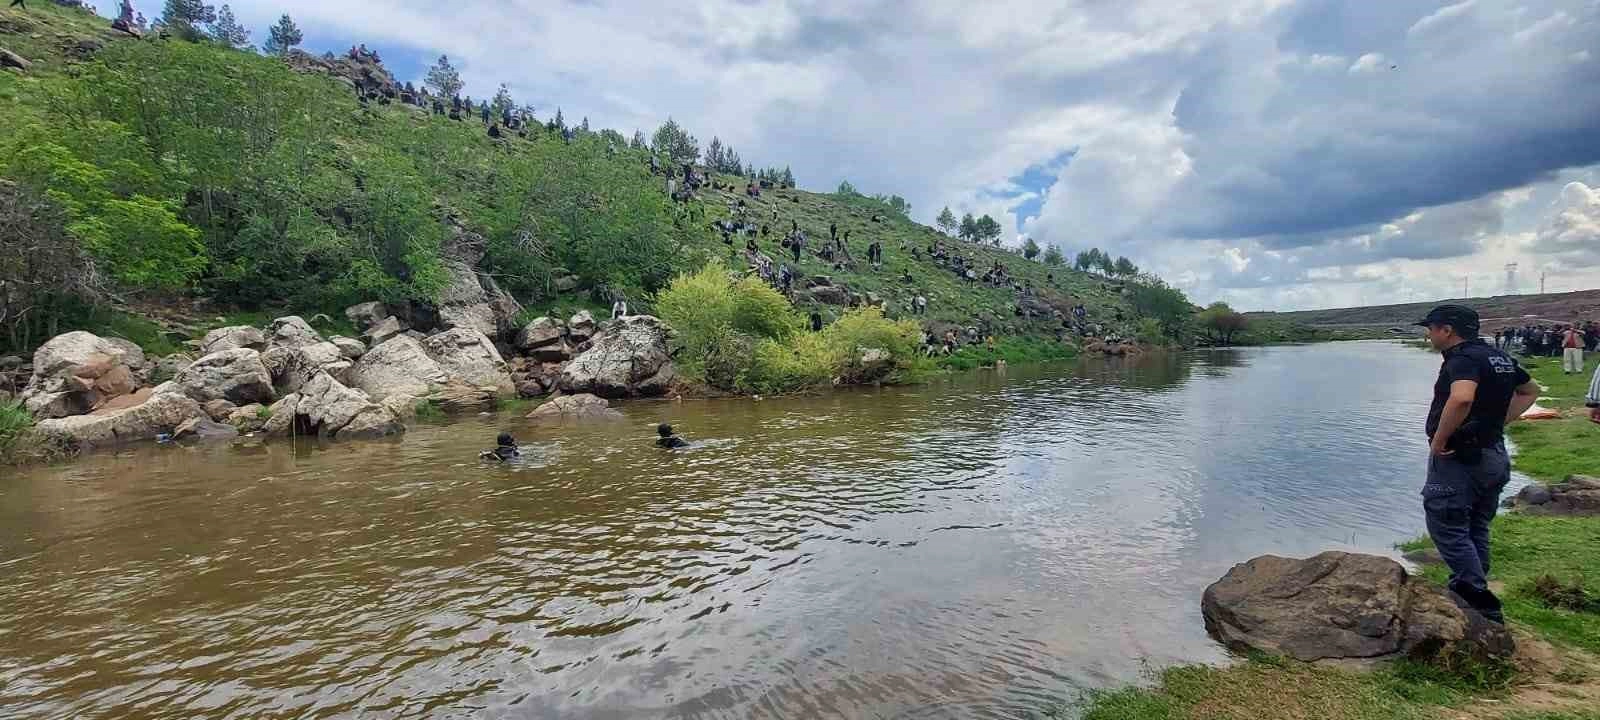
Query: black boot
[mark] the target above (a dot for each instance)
(1482, 602)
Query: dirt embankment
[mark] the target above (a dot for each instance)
(1497, 312)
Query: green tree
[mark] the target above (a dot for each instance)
(444, 78)
(947, 221)
(1084, 260)
(1106, 265)
(1221, 323)
(283, 37)
(1054, 257)
(227, 31)
(788, 177)
(638, 141)
(846, 189)
(675, 143)
(1152, 298)
(187, 17)
(895, 203)
(1030, 249)
(502, 101)
(989, 230)
(714, 154)
(1125, 267)
(968, 229)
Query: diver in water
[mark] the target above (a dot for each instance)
(668, 440)
(505, 450)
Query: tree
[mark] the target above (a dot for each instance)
(1221, 323)
(675, 143)
(42, 268)
(638, 141)
(1030, 249)
(1107, 266)
(557, 123)
(947, 221)
(282, 38)
(186, 17)
(502, 101)
(788, 177)
(715, 154)
(444, 78)
(1084, 261)
(968, 229)
(227, 30)
(1152, 298)
(1125, 267)
(1054, 257)
(846, 189)
(731, 162)
(989, 230)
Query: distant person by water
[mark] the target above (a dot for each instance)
(668, 439)
(505, 450)
(1479, 390)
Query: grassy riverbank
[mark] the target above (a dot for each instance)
(1556, 675)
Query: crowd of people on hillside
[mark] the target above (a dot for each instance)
(1568, 342)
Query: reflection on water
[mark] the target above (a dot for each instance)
(969, 548)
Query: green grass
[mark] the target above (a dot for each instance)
(428, 412)
(1015, 350)
(1550, 450)
(1265, 688)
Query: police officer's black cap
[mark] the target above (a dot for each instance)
(1460, 317)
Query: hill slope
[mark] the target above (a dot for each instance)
(194, 171)
(1497, 312)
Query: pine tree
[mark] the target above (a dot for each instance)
(558, 122)
(282, 38)
(1054, 257)
(584, 126)
(1125, 267)
(227, 30)
(749, 170)
(502, 101)
(1030, 249)
(788, 177)
(638, 140)
(444, 78)
(989, 230)
(676, 143)
(947, 221)
(968, 229)
(186, 17)
(714, 155)
(731, 163)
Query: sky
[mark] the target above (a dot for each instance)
(1274, 154)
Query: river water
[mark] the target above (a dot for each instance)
(978, 547)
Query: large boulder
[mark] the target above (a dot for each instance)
(237, 376)
(233, 338)
(366, 315)
(399, 366)
(292, 331)
(538, 333)
(327, 408)
(386, 328)
(352, 348)
(78, 371)
(829, 295)
(168, 367)
(472, 300)
(1340, 605)
(581, 327)
(160, 414)
(1578, 495)
(468, 356)
(628, 358)
(575, 407)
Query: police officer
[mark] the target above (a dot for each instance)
(1478, 391)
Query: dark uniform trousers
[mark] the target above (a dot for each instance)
(1459, 500)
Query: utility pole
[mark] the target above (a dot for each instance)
(1541, 282)
(1511, 278)
(1464, 294)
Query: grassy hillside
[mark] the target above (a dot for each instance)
(1497, 311)
(184, 172)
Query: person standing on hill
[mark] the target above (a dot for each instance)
(19, 3)
(1571, 351)
(1479, 390)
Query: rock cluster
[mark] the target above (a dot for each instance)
(1578, 495)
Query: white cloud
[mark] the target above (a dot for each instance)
(1369, 62)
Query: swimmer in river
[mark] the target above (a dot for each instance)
(668, 440)
(505, 450)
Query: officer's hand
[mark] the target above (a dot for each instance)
(1439, 449)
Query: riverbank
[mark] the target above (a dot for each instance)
(1555, 676)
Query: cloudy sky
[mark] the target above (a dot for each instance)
(1277, 154)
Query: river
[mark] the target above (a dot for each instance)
(978, 547)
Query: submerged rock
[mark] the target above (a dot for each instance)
(1340, 605)
(576, 407)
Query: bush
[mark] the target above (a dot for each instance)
(719, 322)
(866, 328)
